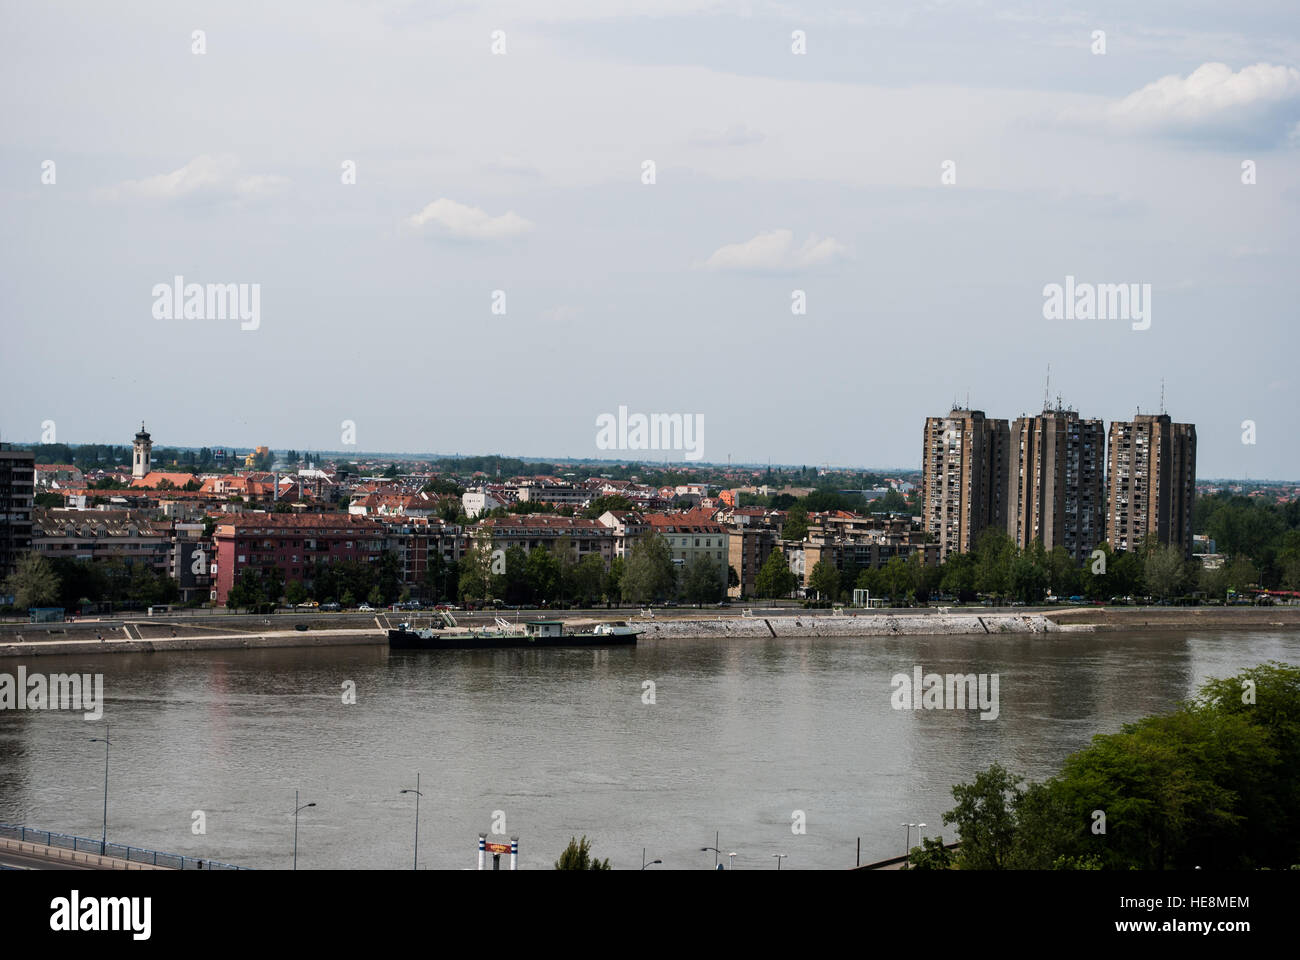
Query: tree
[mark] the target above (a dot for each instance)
(985, 818)
(796, 523)
(544, 574)
(931, 855)
(702, 582)
(775, 578)
(295, 593)
(648, 573)
(33, 582)
(577, 856)
(613, 586)
(587, 579)
(476, 567)
(825, 580)
(1163, 571)
(600, 505)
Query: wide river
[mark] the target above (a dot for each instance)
(745, 739)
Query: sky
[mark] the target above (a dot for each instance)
(479, 227)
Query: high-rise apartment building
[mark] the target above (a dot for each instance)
(1058, 482)
(17, 490)
(1152, 485)
(965, 467)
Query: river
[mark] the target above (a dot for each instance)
(745, 739)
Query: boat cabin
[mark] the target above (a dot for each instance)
(543, 628)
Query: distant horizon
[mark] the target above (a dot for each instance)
(701, 464)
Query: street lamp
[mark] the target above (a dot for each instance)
(907, 849)
(779, 858)
(714, 848)
(418, 795)
(643, 860)
(295, 825)
(103, 840)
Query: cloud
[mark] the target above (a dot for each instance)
(206, 176)
(1256, 105)
(736, 135)
(774, 250)
(459, 220)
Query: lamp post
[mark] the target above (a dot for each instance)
(296, 809)
(643, 860)
(907, 848)
(714, 848)
(418, 795)
(103, 840)
(779, 858)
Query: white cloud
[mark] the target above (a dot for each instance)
(775, 250)
(204, 176)
(460, 220)
(1258, 103)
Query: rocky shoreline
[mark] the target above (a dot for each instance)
(81, 639)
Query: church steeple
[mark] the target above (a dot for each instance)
(141, 454)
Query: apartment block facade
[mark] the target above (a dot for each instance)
(1152, 483)
(965, 478)
(17, 495)
(292, 542)
(1057, 482)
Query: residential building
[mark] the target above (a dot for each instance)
(1152, 482)
(533, 530)
(293, 542)
(17, 495)
(1057, 482)
(965, 463)
(693, 535)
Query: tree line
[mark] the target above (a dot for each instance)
(1211, 785)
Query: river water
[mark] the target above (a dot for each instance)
(745, 739)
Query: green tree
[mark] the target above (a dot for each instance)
(33, 582)
(931, 855)
(796, 523)
(703, 581)
(648, 573)
(295, 593)
(1163, 571)
(775, 579)
(577, 856)
(476, 567)
(825, 580)
(985, 818)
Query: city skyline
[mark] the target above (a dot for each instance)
(503, 264)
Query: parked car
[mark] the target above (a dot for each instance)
(331, 606)
(366, 608)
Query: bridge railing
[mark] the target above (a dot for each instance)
(121, 851)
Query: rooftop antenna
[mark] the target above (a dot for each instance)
(1047, 387)
(1162, 396)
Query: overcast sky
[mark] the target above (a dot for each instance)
(524, 172)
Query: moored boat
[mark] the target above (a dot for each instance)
(531, 633)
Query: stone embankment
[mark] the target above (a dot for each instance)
(862, 625)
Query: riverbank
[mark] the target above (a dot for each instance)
(153, 636)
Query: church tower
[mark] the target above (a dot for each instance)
(143, 450)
